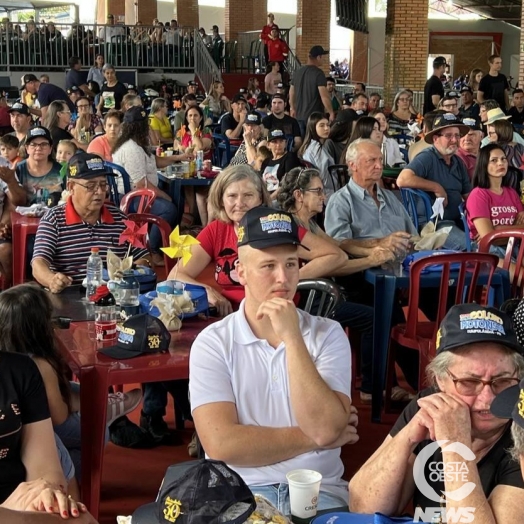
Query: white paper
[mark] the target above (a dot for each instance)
(438, 208)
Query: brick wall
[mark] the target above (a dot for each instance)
(521, 61)
(259, 16)
(115, 7)
(406, 49)
(313, 27)
(359, 56)
(186, 13)
(147, 11)
(239, 18)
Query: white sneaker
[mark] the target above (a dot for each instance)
(120, 404)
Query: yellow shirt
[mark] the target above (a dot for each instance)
(161, 125)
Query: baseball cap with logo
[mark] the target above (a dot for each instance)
(131, 87)
(139, 335)
(510, 404)
(317, 50)
(263, 227)
(19, 107)
(472, 324)
(208, 492)
(453, 94)
(28, 78)
(87, 165)
(253, 119)
(472, 123)
(442, 122)
(74, 89)
(439, 61)
(192, 83)
(276, 134)
(38, 132)
(135, 114)
(466, 89)
(239, 97)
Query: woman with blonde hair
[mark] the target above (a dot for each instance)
(402, 114)
(217, 102)
(160, 131)
(237, 190)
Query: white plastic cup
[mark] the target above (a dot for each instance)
(304, 487)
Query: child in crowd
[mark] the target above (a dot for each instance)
(263, 153)
(65, 150)
(9, 145)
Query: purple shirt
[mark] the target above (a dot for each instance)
(469, 161)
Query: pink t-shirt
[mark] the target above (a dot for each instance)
(500, 209)
(100, 146)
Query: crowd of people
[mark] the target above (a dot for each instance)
(270, 385)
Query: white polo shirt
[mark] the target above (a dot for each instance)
(229, 364)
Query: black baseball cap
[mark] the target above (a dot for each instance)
(276, 134)
(19, 107)
(131, 87)
(239, 97)
(74, 89)
(208, 492)
(472, 122)
(135, 114)
(28, 78)
(439, 61)
(87, 165)
(472, 324)
(510, 404)
(192, 83)
(253, 119)
(317, 50)
(442, 122)
(466, 89)
(140, 334)
(38, 132)
(346, 116)
(263, 227)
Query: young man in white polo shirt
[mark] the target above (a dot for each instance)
(270, 384)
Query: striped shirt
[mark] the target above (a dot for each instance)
(64, 240)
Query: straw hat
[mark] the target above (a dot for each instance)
(496, 114)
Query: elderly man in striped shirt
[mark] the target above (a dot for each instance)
(67, 232)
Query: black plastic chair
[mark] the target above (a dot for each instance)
(339, 173)
(319, 297)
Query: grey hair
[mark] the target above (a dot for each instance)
(353, 149)
(437, 368)
(229, 176)
(157, 104)
(517, 433)
(105, 67)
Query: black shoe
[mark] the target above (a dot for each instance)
(123, 432)
(155, 425)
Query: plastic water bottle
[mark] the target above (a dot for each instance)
(199, 162)
(93, 272)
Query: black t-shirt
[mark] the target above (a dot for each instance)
(288, 124)
(306, 82)
(58, 134)
(274, 170)
(23, 401)
(517, 117)
(432, 87)
(473, 111)
(228, 122)
(494, 87)
(74, 78)
(48, 93)
(496, 467)
(112, 96)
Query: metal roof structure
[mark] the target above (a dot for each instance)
(500, 10)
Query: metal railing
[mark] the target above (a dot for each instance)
(205, 66)
(138, 47)
(292, 63)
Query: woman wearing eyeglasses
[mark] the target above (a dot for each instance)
(39, 174)
(87, 124)
(57, 119)
(401, 115)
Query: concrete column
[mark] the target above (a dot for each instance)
(359, 57)
(186, 13)
(117, 8)
(406, 49)
(313, 27)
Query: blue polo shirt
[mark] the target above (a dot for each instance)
(430, 164)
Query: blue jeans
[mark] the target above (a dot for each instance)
(65, 459)
(457, 237)
(278, 495)
(360, 318)
(69, 434)
(161, 208)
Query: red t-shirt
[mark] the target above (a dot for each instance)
(277, 49)
(219, 241)
(500, 209)
(187, 140)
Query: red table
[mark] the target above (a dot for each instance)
(22, 226)
(97, 372)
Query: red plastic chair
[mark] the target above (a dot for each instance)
(460, 275)
(22, 228)
(165, 231)
(146, 196)
(514, 238)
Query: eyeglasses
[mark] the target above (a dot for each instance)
(317, 190)
(38, 145)
(67, 111)
(91, 187)
(82, 105)
(450, 136)
(469, 387)
(449, 106)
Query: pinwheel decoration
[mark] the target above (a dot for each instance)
(134, 235)
(180, 246)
